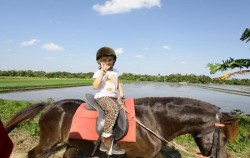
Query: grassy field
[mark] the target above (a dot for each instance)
(21, 83)
(237, 149)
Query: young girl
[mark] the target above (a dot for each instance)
(109, 89)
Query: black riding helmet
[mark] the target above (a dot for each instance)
(105, 51)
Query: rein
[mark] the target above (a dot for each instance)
(179, 147)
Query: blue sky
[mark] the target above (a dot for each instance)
(150, 36)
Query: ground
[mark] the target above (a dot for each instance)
(23, 142)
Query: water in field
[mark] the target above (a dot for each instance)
(226, 101)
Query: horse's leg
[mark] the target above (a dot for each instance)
(50, 132)
(158, 155)
(39, 151)
(70, 152)
(86, 147)
(46, 142)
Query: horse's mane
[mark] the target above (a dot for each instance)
(177, 102)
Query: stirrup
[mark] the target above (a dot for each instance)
(98, 142)
(111, 147)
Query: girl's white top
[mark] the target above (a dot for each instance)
(109, 84)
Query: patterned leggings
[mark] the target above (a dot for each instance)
(111, 110)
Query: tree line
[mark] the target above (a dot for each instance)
(58, 74)
(191, 78)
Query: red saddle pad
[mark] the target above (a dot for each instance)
(84, 123)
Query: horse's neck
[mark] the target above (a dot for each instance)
(171, 122)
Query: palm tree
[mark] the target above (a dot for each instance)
(232, 63)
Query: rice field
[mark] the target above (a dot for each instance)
(27, 83)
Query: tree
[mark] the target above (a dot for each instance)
(246, 35)
(232, 63)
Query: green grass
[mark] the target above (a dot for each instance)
(8, 108)
(8, 84)
(22, 83)
(241, 147)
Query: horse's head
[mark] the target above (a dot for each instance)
(212, 143)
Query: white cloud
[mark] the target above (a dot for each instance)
(166, 47)
(29, 43)
(123, 6)
(52, 47)
(119, 51)
(139, 56)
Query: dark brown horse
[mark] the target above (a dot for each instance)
(169, 117)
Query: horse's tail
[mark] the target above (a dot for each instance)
(27, 113)
(231, 125)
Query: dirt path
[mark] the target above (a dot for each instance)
(23, 142)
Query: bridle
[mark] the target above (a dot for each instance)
(216, 144)
(215, 149)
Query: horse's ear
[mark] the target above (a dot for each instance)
(226, 118)
(231, 125)
(233, 120)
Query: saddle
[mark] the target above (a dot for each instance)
(121, 127)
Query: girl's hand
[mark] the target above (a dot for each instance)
(120, 101)
(121, 95)
(104, 68)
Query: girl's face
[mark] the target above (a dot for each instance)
(108, 60)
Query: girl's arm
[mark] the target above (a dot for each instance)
(97, 82)
(120, 89)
